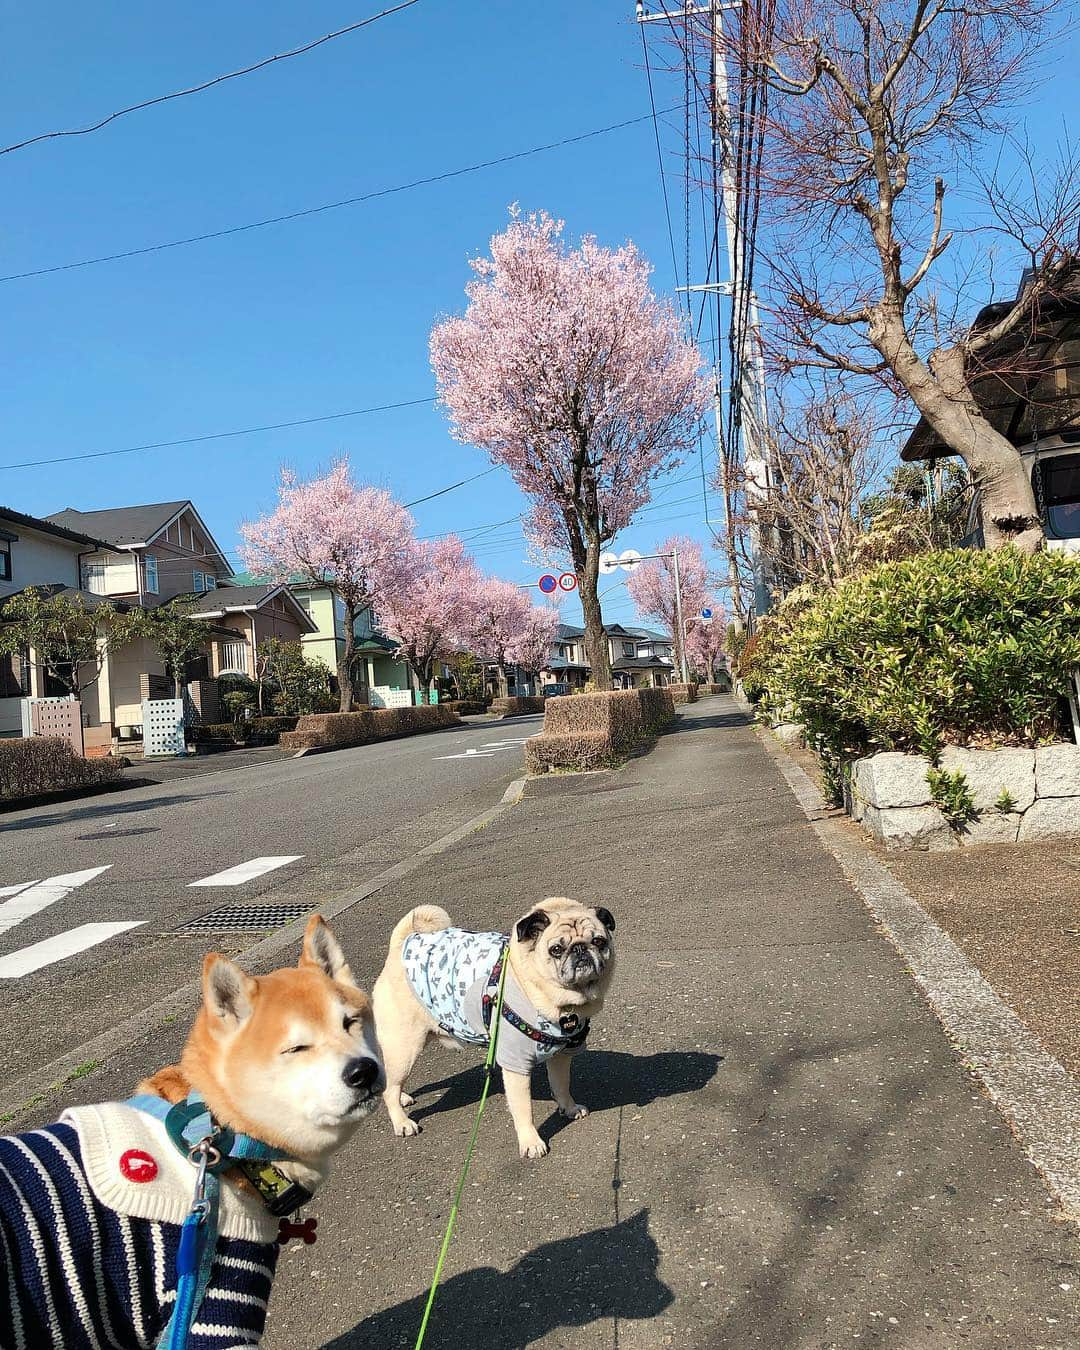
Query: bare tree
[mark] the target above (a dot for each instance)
(867, 109)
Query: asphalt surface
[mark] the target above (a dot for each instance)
(347, 815)
(784, 1151)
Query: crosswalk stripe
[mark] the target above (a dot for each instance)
(75, 940)
(39, 895)
(256, 867)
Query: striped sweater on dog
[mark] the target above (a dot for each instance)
(90, 1214)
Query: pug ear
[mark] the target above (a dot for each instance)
(323, 951)
(606, 917)
(532, 925)
(228, 993)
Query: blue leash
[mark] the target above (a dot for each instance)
(211, 1148)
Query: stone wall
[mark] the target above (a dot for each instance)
(890, 794)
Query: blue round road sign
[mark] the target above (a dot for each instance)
(706, 613)
(548, 584)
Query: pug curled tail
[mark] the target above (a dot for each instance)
(422, 919)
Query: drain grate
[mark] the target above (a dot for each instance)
(245, 918)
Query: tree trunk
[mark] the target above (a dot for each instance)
(710, 666)
(504, 684)
(595, 639)
(423, 672)
(942, 394)
(347, 665)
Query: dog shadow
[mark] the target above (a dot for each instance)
(604, 1080)
(606, 1273)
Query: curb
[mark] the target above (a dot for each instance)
(1032, 1090)
(27, 1091)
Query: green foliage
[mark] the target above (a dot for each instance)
(290, 683)
(237, 702)
(966, 647)
(1006, 802)
(952, 796)
(175, 636)
(734, 641)
(468, 676)
(71, 636)
(918, 511)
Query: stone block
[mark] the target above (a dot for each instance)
(992, 827)
(910, 827)
(1057, 771)
(990, 772)
(1051, 817)
(891, 779)
(790, 733)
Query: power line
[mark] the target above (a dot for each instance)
(660, 155)
(223, 435)
(330, 206)
(452, 488)
(207, 84)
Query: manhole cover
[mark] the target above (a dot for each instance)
(245, 918)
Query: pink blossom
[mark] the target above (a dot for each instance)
(652, 586)
(567, 369)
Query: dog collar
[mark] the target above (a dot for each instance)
(573, 1030)
(190, 1123)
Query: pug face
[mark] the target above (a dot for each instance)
(569, 945)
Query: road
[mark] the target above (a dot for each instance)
(95, 939)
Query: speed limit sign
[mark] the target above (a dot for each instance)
(567, 581)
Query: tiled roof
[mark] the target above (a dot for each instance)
(120, 524)
(48, 526)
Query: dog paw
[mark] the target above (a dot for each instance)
(407, 1129)
(533, 1148)
(574, 1111)
(407, 1100)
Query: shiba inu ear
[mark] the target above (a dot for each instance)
(228, 993)
(321, 950)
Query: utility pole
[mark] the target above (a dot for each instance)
(683, 669)
(749, 376)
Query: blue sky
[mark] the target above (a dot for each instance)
(318, 316)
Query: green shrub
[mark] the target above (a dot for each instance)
(33, 766)
(961, 646)
(952, 796)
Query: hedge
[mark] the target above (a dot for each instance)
(516, 707)
(319, 731)
(465, 707)
(721, 687)
(255, 731)
(683, 693)
(40, 764)
(962, 647)
(591, 731)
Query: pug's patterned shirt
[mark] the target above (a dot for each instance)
(449, 971)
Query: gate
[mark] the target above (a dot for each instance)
(163, 727)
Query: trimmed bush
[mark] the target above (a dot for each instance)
(683, 693)
(592, 731)
(33, 766)
(325, 730)
(721, 687)
(962, 647)
(465, 707)
(516, 707)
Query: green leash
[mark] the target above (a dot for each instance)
(489, 1064)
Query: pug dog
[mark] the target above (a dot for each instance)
(442, 982)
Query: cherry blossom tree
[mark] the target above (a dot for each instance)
(652, 587)
(568, 371)
(498, 623)
(429, 612)
(354, 540)
(532, 649)
(705, 641)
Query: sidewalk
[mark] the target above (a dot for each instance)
(784, 1150)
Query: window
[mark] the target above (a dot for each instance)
(628, 649)
(234, 657)
(1061, 495)
(151, 574)
(210, 581)
(5, 559)
(94, 578)
(198, 582)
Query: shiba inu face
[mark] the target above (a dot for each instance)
(290, 1057)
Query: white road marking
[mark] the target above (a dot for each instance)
(248, 871)
(38, 895)
(75, 940)
(469, 754)
(488, 748)
(14, 890)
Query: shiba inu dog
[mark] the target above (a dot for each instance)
(441, 981)
(91, 1207)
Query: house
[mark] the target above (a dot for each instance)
(33, 552)
(377, 666)
(240, 617)
(149, 553)
(1030, 392)
(640, 658)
